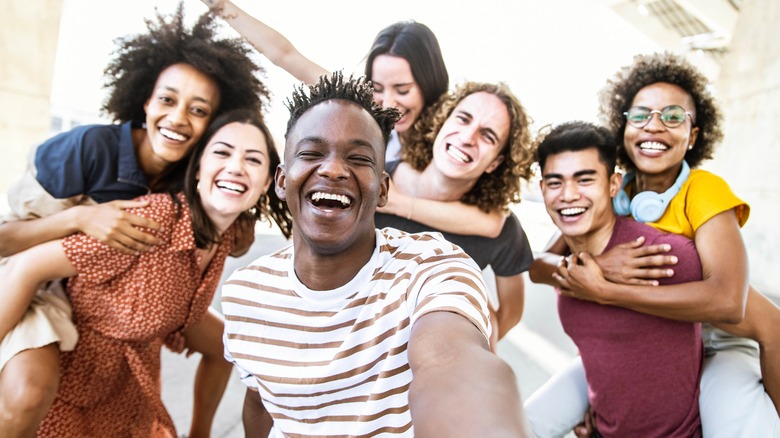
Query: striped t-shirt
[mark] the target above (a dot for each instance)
(335, 362)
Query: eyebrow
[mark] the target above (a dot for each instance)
(175, 90)
(233, 147)
(485, 128)
(576, 174)
(321, 140)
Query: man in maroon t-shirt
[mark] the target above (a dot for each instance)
(643, 371)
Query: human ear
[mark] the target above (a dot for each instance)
(493, 165)
(384, 189)
(615, 182)
(281, 190)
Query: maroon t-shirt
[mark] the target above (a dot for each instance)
(643, 371)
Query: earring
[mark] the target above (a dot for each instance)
(690, 146)
(197, 186)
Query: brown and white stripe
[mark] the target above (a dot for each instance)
(334, 363)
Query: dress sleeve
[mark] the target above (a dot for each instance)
(96, 262)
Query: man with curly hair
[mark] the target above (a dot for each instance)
(665, 120)
(165, 86)
(352, 330)
(476, 150)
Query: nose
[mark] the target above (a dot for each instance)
(570, 192)
(178, 114)
(235, 165)
(468, 134)
(654, 123)
(386, 99)
(333, 167)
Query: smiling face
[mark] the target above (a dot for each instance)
(578, 194)
(178, 112)
(233, 173)
(656, 149)
(333, 178)
(395, 87)
(471, 139)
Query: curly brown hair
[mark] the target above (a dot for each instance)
(616, 97)
(495, 190)
(139, 60)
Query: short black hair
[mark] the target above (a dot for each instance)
(616, 97)
(332, 87)
(577, 136)
(139, 60)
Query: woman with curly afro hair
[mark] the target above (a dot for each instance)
(740, 385)
(165, 86)
(474, 149)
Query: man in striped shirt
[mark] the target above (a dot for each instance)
(354, 331)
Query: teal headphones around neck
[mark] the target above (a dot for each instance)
(647, 206)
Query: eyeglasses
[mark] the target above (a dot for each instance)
(672, 116)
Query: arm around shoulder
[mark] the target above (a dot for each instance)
(460, 388)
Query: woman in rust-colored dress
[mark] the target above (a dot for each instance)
(126, 305)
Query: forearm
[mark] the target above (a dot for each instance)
(275, 46)
(459, 388)
(543, 268)
(698, 301)
(211, 380)
(257, 421)
(511, 297)
(22, 276)
(455, 217)
(17, 236)
(477, 395)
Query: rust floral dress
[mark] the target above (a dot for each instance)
(124, 306)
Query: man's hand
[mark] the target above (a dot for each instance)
(579, 276)
(632, 263)
(111, 224)
(585, 429)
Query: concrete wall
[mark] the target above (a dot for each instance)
(749, 89)
(28, 42)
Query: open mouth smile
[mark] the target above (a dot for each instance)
(653, 146)
(330, 200)
(231, 186)
(458, 154)
(173, 135)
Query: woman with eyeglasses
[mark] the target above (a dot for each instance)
(660, 106)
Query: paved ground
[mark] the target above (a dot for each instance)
(535, 349)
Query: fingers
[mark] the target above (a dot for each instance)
(653, 249)
(130, 240)
(140, 221)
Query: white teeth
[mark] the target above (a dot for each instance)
(240, 188)
(572, 211)
(456, 153)
(340, 198)
(654, 145)
(172, 135)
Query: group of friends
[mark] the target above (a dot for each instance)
(395, 190)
